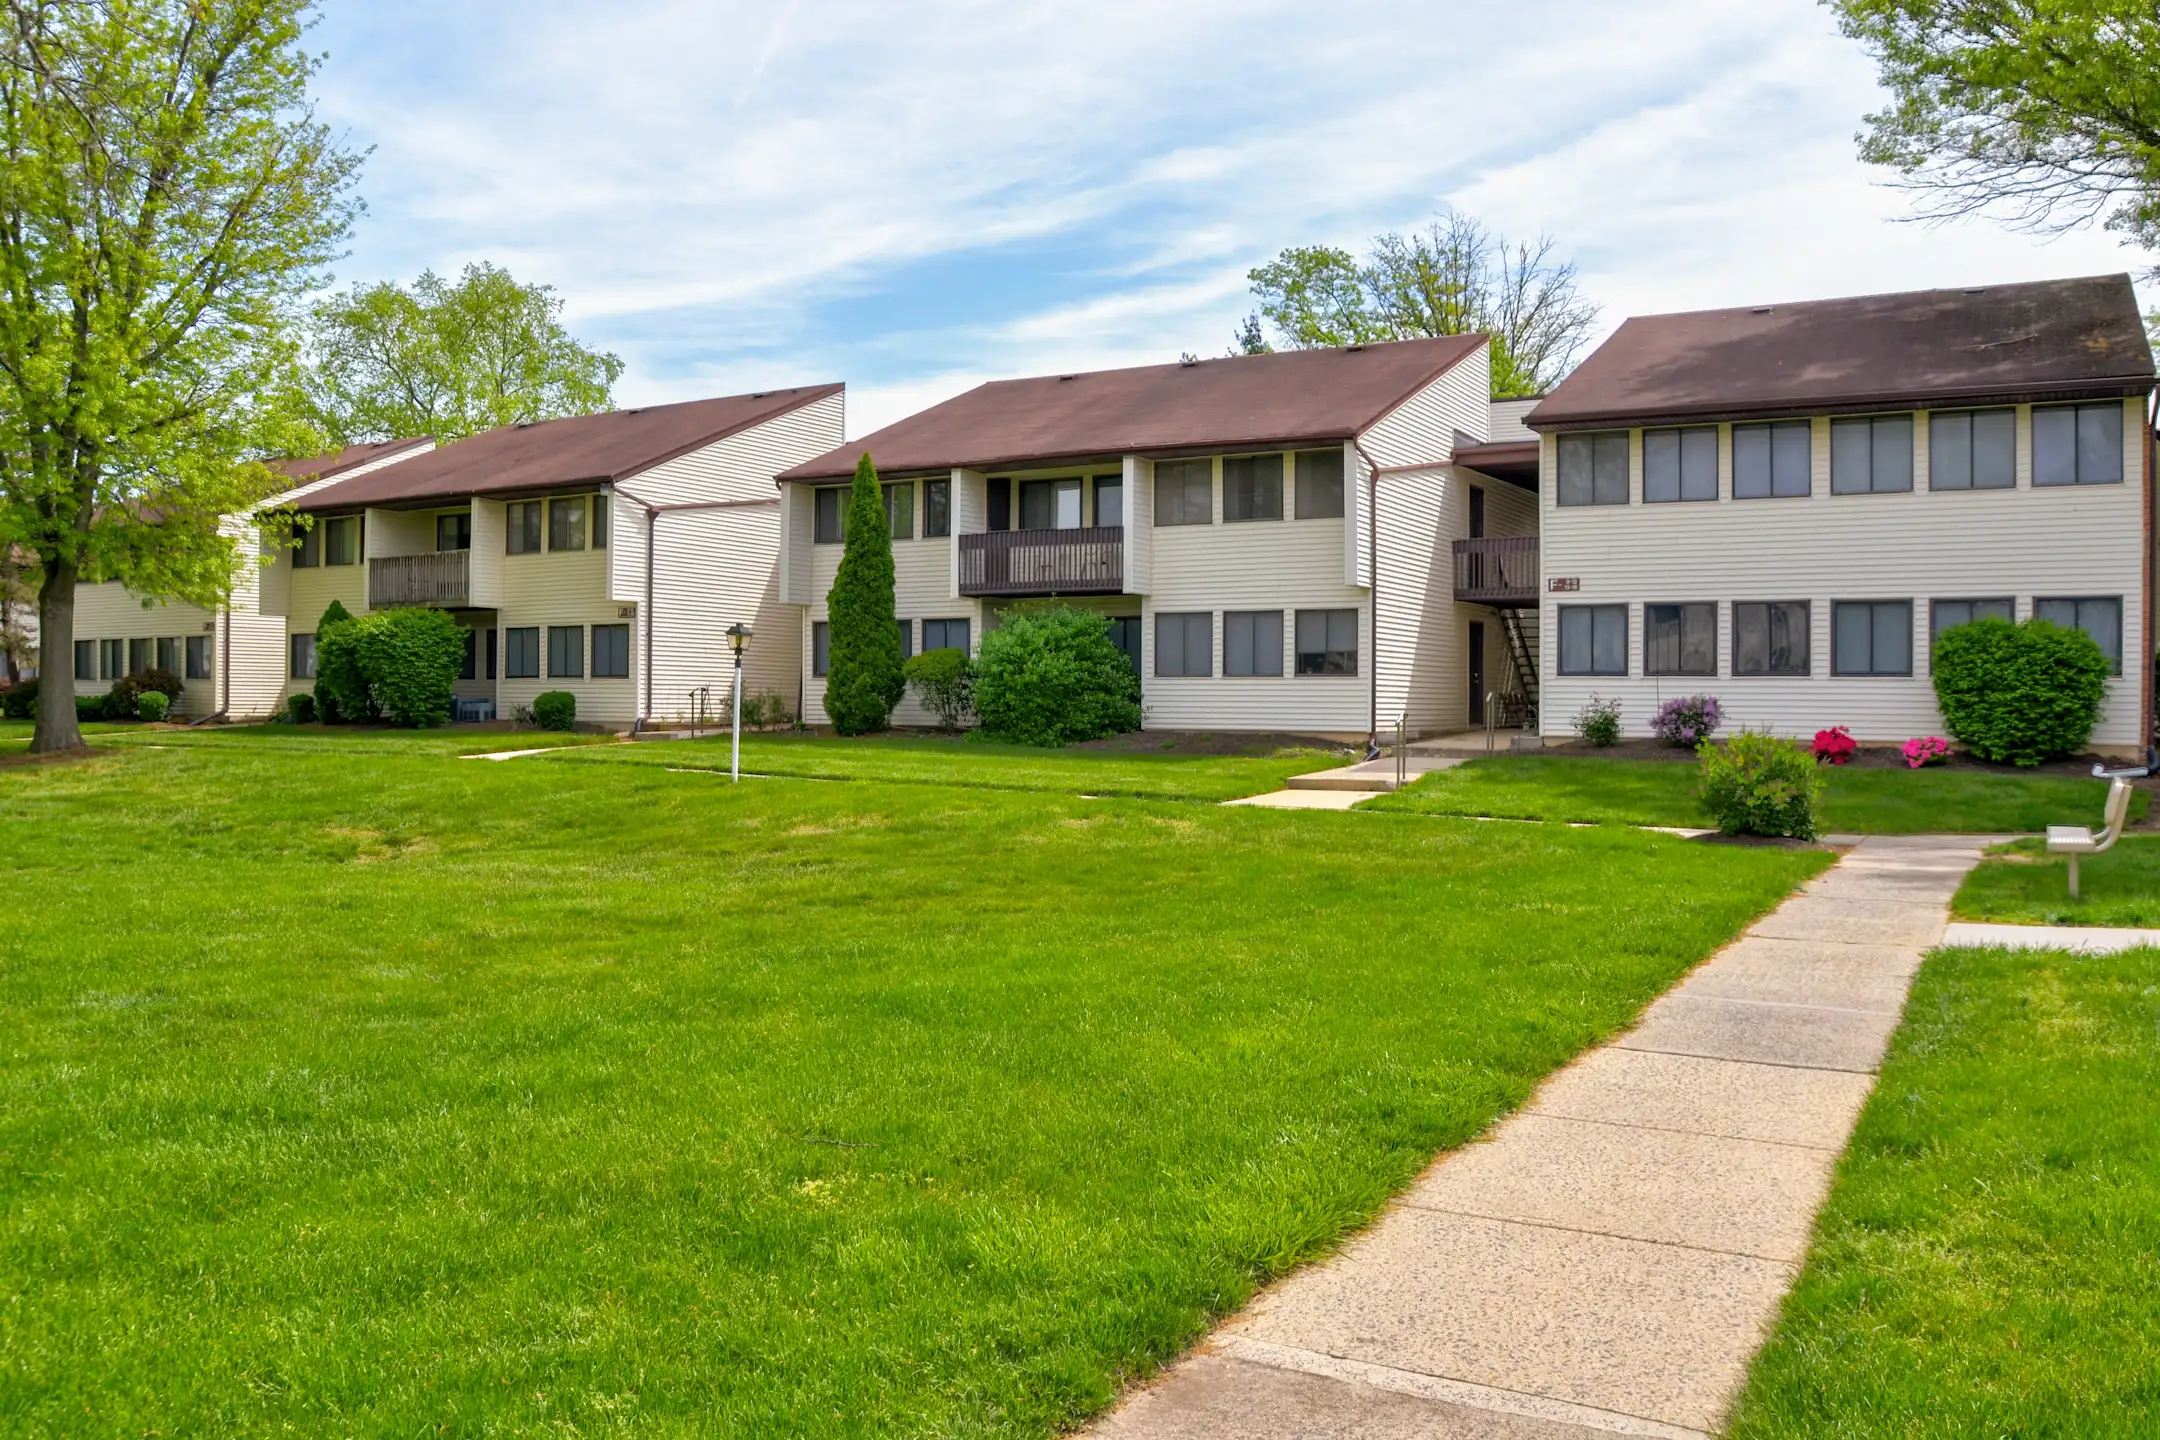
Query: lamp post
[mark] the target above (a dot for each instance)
(738, 639)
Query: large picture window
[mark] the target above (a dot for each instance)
(1327, 642)
(829, 502)
(521, 527)
(1184, 492)
(1773, 461)
(1770, 637)
(1680, 464)
(1252, 642)
(1680, 639)
(2099, 616)
(1320, 484)
(611, 652)
(1871, 454)
(521, 653)
(566, 652)
(1185, 644)
(1594, 468)
(1593, 639)
(2078, 444)
(1871, 637)
(1972, 450)
(1252, 487)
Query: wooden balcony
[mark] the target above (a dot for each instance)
(1497, 570)
(1044, 562)
(441, 580)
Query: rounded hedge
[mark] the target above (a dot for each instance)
(151, 705)
(554, 710)
(400, 664)
(1051, 676)
(1758, 784)
(2020, 693)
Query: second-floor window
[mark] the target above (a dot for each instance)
(521, 527)
(936, 508)
(1319, 484)
(829, 521)
(1594, 468)
(1871, 454)
(1679, 464)
(1252, 487)
(1050, 504)
(1109, 500)
(900, 509)
(1184, 493)
(1972, 450)
(308, 553)
(341, 540)
(1772, 461)
(453, 532)
(566, 523)
(2077, 444)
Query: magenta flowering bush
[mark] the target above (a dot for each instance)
(1835, 745)
(1688, 720)
(1924, 750)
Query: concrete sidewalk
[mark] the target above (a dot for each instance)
(1607, 1260)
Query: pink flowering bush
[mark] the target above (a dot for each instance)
(1688, 720)
(1924, 750)
(1834, 745)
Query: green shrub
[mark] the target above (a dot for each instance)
(2019, 693)
(1598, 722)
(151, 706)
(409, 660)
(120, 701)
(1757, 784)
(863, 680)
(1052, 675)
(91, 707)
(19, 701)
(341, 688)
(761, 709)
(300, 708)
(942, 680)
(554, 710)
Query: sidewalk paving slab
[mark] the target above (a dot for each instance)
(1765, 1032)
(1707, 1097)
(1808, 972)
(2090, 939)
(1306, 799)
(1858, 922)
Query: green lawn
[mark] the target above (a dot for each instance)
(2021, 884)
(1989, 1262)
(351, 1090)
(1653, 792)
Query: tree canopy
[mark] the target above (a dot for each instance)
(2046, 110)
(448, 359)
(167, 196)
(1454, 277)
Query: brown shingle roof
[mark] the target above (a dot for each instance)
(579, 450)
(2054, 339)
(352, 457)
(1256, 400)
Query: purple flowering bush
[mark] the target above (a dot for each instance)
(1688, 720)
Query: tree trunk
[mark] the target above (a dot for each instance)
(56, 727)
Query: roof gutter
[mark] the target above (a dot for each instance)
(2023, 393)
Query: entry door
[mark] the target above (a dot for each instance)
(1477, 672)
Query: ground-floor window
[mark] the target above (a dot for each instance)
(611, 652)
(566, 652)
(1125, 634)
(198, 657)
(303, 657)
(1593, 639)
(1770, 637)
(1327, 642)
(112, 659)
(943, 635)
(168, 654)
(469, 667)
(138, 656)
(2099, 616)
(521, 653)
(86, 659)
(1680, 639)
(1185, 644)
(821, 646)
(1949, 614)
(1871, 637)
(1252, 642)
(907, 637)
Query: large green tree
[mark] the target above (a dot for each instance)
(166, 198)
(1455, 277)
(448, 359)
(863, 679)
(2045, 110)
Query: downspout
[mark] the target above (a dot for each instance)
(2152, 591)
(652, 544)
(1372, 564)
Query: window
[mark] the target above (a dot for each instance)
(1109, 500)
(1185, 644)
(1871, 455)
(469, 666)
(1972, 450)
(820, 647)
(1319, 484)
(1049, 504)
(831, 507)
(1680, 639)
(521, 521)
(86, 659)
(138, 656)
(303, 657)
(1594, 469)
(2077, 444)
(168, 654)
(566, 523)
(1327, 642)
(1679, 464)
(2098, 616)
(998, 495)
(453, 532)
(1252, 642)
(490, 654)
(611, 652)
(309, 553)
(198, 657)
(112, 659)
(521, 653)
(1770, 637)
(900, 509)
(1477, 512)
(1949, 614)
(1871, 637)
(1593, 639)
(1184, 494)
(1772, 461)
(1252, 487)
(907, 637)
(341, 540)
(1125, 634)
(945, 634)
(566, 652)
(936, 508)
(601, 505)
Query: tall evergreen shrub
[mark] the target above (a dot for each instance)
(340, 689)
(863, 680)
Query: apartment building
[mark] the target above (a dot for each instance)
(1269, 535)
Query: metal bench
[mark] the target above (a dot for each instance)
(2076, 841)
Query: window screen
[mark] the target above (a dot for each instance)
(1972, 450)
(1185, 644)
(1252, 642)
(521, 527)
(1327, 642)
(1871, 637)
(1871, 454)
(2099, 616)
(1680, 639)
(566, 523)
(1593, 639)
(199, 653)
(936, 508)
(1772, 461)
(611, 652)
(1680, 464)
(900, 509)
(2077, 444)
(1770, 637)
(945, 634)
(1594, 468)
(521, 653)
(1184, 493)
(831, 507)
(1252, 487)
(1319, 484)
(303, 657)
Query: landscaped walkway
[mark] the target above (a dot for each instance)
(1608, 1259)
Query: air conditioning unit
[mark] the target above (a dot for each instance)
(475, 710)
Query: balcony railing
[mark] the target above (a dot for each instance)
(1497, 570)
(1044, 562)
(441, 580)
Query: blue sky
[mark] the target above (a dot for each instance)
(918, 197)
